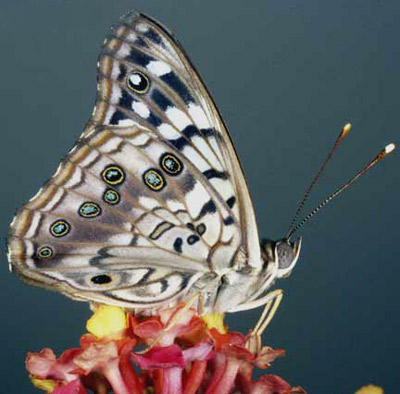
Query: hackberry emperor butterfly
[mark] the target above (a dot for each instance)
(151, 205)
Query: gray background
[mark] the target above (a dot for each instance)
(287, 75)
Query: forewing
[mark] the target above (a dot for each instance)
(178, 108)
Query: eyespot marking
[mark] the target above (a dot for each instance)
(201, 228)
(45, 252)
(190, 226)
(154, 179)
(101, 279)
(192, 239)
(171, 164)
(113, 175)
(111, 197)
(138, 82)
(89, 210)
(60, 228)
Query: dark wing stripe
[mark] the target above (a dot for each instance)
(211, 173)
(208, 207)
(231, 201)
(173, 81)
(161, 100)
(138, 57)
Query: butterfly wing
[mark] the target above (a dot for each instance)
(178, 108)
(152, 197)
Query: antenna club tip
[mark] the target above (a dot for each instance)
(390, 148)
(347, 126)
(344, 132)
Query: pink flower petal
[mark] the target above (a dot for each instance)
(40, 364)
(225, 383)
(217, 369)
(172, 381)
(202, 351)
(160, 357)
(103, 358)
(148, 330)
(74, 387)
(45, 365)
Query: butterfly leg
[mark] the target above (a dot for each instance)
(273, 300)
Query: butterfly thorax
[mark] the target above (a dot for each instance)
(244, 286)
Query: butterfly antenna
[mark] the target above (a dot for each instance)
(300, 207)
(388, 149)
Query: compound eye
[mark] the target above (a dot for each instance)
(284, 253)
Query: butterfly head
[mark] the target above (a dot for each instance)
(284, 252)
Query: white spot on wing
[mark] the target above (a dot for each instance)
(109, 114)
(141, 241)
(204, 148)
(175, 205)
(29, 248)
(90, 158)
(228, 232)
(142, 27)
(178, 117)
(168, 132)
(116, 69)
(137, 275)
(199, 116)
(223, 186)
(141, 109)
(115, 95)
(167, 216)
(148, 203)
(140, 139)
(126, 122)
(131, 37)
(120, 239)
(191, 154)
(124, 50)
(111, 145)
(58, 195)
(34, 225)
(196, 198)
(158, 68)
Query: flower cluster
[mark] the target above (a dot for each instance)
(181, 353)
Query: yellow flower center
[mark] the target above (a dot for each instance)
(215, 320)
(107, 320)
(47, 385)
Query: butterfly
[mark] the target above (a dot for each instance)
(151, 206)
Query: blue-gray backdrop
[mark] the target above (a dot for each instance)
(287, 75)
